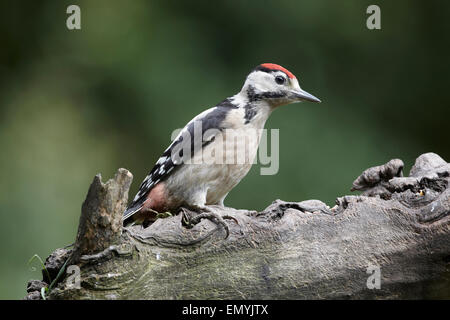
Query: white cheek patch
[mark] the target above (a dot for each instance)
(265, 82)
(261, 81)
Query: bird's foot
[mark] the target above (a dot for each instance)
(189, 220)
(150, 216)
(163, 215)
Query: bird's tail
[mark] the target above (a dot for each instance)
(129, 213)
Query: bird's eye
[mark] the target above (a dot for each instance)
(280, 79)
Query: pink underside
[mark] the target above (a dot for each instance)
(156, 199)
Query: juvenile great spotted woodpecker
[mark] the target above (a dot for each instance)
(204, 176)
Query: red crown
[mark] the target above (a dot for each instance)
(273, 66)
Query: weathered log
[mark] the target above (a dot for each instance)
(398, 228)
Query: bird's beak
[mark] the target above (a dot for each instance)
(302, 95)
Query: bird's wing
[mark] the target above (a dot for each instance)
(212, 118)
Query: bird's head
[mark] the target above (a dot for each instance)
(275, 85)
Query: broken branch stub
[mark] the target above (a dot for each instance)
(101, 215)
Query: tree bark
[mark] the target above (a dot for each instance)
(397, 231)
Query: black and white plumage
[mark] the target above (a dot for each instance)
(195, 171)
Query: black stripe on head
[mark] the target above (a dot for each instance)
(254, 96)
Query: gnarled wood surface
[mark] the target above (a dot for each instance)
(288, 251)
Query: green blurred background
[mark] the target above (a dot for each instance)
(77, 103)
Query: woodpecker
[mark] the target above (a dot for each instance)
(202, 179)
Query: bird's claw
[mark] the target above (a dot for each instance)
(190, 221)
